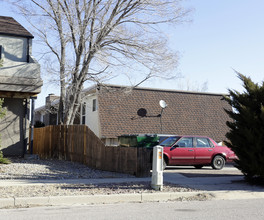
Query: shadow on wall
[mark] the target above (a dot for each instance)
(15, 50)
(14, 149)
(12, 128)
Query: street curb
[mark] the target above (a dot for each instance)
(93, 199)
(126, 198)
(232, 195)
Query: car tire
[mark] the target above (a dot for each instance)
(218, 162)
(198, 166)
(164, 165)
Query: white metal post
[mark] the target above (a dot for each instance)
(157, 168)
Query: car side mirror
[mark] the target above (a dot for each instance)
(175, 146)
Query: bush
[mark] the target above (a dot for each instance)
(246, 136)
(3, 160)
(39, 124)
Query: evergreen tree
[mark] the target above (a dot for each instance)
(246, 135)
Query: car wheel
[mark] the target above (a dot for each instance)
(164, 164)
(218, 162)
(198, 166)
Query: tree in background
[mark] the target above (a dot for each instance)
(94, 40)
(39, 124)
(188, 85)
(246, 134)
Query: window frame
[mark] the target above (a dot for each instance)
(83, 118)
(94, 106)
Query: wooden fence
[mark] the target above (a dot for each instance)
(78, 143)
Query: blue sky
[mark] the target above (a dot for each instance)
(224, 35)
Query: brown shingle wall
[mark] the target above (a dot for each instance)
(187, 113)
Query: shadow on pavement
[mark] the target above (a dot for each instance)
(194, 175)
(208, 179)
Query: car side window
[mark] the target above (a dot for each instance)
(167, 142)
(203, 143)
(185, 142)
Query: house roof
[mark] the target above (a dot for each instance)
(188, 113)
(9, 26)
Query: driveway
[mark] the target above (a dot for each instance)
(208, 179)
(206, 171)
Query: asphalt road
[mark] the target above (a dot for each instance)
(205, 210)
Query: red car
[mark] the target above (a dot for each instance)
(197, 151)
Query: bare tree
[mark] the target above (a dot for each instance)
(194, 86)
(94, 39)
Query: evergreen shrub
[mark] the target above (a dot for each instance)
(246, 135)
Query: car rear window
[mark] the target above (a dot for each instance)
(203, 142)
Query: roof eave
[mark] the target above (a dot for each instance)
(17, 35)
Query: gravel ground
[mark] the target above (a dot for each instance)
(52, 169)
(81, 189)
(56, 169)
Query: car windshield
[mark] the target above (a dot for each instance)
(169, 141)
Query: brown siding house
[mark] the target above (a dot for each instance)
(111, 111)
(189, 113)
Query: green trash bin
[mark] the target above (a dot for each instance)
(138, 140)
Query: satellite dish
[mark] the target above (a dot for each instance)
(162, 104)
(142, 112)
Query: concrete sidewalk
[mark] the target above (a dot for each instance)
(70, 181)
(227, 187)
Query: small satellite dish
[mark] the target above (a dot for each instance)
(142, 112)
(162, 104)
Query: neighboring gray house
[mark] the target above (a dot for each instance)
(48, 114)
(19, 82)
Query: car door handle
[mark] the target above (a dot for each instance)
(190, 150)
(210, 150)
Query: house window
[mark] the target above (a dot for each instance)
(94, 105)
(83, 112)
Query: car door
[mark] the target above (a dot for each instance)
(182, 153)
(204, 150)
